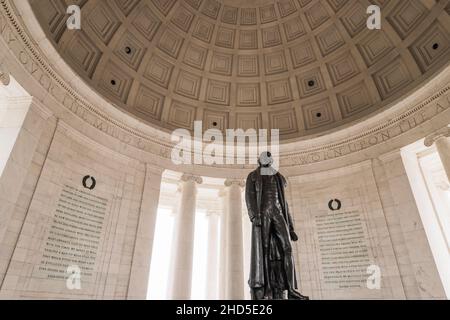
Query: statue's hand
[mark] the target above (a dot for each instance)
(257, 222)
(294, 236)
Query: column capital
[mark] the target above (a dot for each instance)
(235, 182)
(441, 133)
(4, 76)
(190, 177)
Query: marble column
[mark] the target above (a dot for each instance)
(223, 243)
(235, 250)
(140, 269)
(212, 279)
(183, 249)
(442, 141)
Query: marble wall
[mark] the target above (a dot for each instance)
(43, 213)
(378, 224)
(19, 178)
(45, 172)
(417, 267)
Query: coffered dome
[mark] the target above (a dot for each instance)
(302, 66)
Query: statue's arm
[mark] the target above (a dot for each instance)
(291, 221)
(288, 212)
(250, 198)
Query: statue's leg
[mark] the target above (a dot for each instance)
(257, 294)
(278, 294)
(266, 228)
(281, 232)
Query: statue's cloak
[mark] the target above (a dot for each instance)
(253, 196)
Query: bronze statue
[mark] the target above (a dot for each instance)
(272, 270)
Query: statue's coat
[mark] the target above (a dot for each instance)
(253, 196)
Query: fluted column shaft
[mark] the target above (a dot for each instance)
(235, 250)
(212, 280)
(183, 249)
(223, 244)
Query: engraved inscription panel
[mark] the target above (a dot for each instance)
(75, 234)
(343, 250)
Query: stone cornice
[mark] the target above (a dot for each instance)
(434, 100)
(441, 133)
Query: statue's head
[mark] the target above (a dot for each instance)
(265, 159)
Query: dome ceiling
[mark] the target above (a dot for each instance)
(301, 66)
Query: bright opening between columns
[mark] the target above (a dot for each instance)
(207, 260)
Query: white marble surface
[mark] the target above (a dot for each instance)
(183, 249)
(390, 219)
(235, 250)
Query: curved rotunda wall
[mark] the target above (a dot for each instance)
(70, 131)
(303, 67)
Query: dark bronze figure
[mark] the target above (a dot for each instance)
(272, 270)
